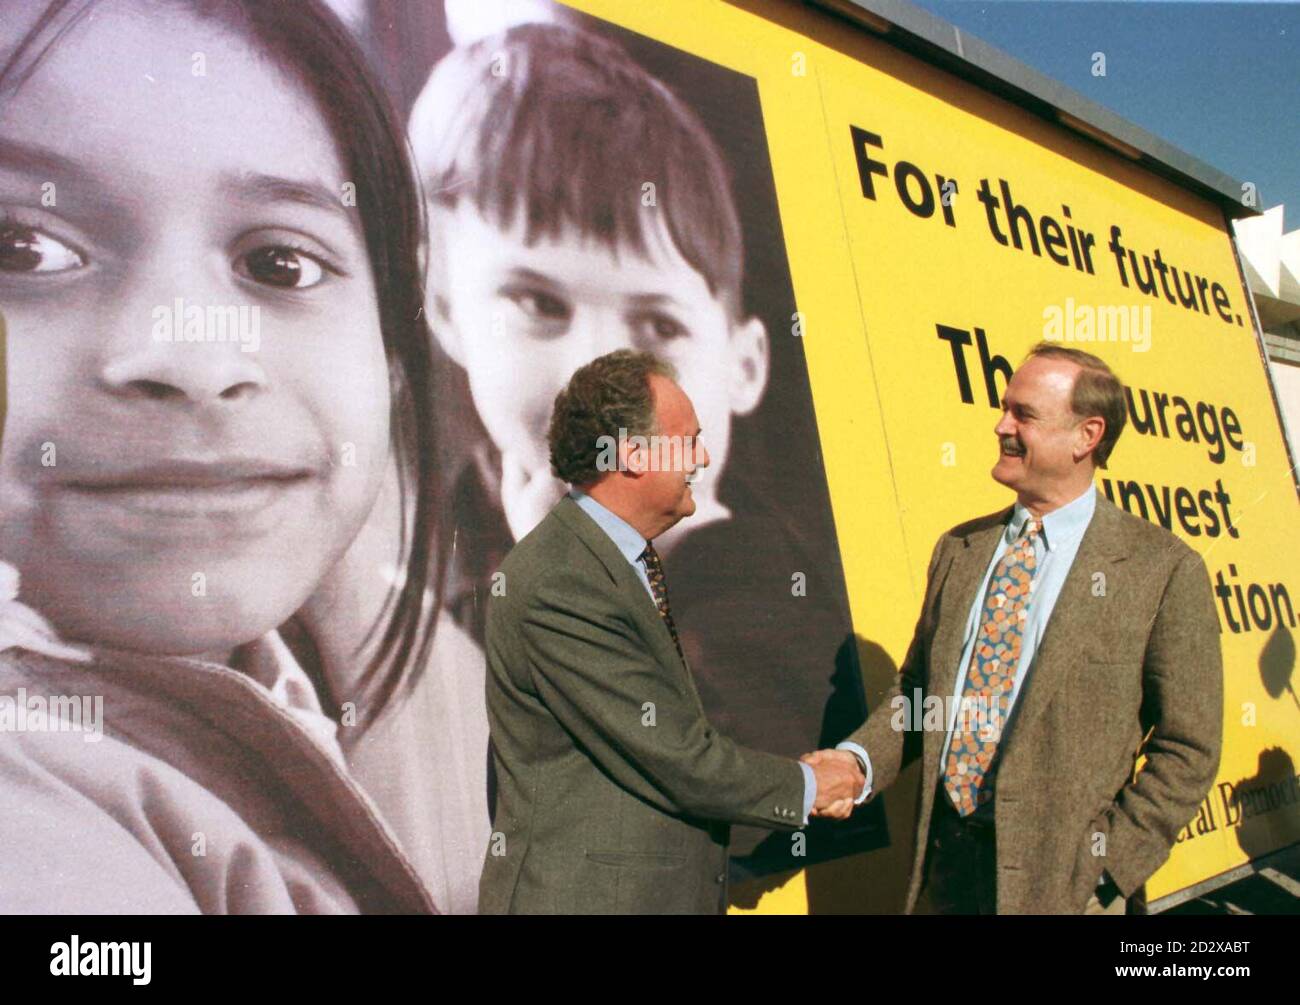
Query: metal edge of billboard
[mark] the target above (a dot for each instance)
(936, 41)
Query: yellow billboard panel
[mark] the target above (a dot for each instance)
(934, 232)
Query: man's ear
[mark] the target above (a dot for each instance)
(1090, 432)
(750, 363)
(437, 309)
(633, 456)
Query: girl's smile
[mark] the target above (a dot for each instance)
(222, 497)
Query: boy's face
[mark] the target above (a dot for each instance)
(522, 319)
(182, 496)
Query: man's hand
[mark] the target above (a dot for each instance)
(839, 782)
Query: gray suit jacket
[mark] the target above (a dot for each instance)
(1129, 662)
(613, 791)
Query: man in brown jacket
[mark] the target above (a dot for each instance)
(1063, 639)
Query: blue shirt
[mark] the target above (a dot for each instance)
(1054, 551)
(628, 540)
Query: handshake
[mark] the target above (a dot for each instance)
(840, 781)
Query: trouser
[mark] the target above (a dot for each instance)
(961, 866)
(961, 863)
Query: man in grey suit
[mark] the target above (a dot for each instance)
(614, 794)
(1063, 638)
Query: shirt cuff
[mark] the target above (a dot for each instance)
(861, 755)
(809, 790)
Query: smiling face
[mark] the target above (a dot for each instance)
(1043, 447)
(179, 496)
(665, 486)
(522, 319)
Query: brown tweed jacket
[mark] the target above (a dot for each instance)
(1129, 664)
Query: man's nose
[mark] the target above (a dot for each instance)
(1006, 425)
(701, 454)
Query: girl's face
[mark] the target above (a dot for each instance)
(198, 394)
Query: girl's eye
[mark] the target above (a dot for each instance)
(277, 265)
(26, 249)
(660, 327)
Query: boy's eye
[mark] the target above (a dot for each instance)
(540, 305)
(26, 249)
(659, 326)
(280, 266)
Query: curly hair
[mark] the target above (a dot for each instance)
(609, 394)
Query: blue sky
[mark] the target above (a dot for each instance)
(1218, 80)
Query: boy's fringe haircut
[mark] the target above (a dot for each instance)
(564, 125)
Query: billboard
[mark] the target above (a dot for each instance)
(934, 233)
(856, 249)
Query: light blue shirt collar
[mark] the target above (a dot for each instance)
(1066, 524)
(626, 538)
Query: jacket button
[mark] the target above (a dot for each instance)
(721, 877)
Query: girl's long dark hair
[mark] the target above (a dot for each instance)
(306, 40)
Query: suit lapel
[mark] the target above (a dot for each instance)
(633, 591)
(1076, 616)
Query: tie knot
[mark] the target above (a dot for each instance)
(650, 556)
(1032, 528)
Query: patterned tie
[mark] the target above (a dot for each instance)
(991, 675)
(659, 587)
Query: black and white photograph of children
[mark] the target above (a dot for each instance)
(288, 290)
